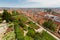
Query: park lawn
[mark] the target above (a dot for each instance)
(33, 25)
(28, 38)
(21, 17)
(19, 34)
(46, 36)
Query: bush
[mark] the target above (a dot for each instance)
(32, 25)
(25, 28)
(31, 32)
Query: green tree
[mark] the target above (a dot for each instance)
(50, 24)
(6, 16)
(0, 15)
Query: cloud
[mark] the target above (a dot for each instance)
(31, 3)
(46, 3)
(43, 1)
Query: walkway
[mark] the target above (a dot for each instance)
(3, 28)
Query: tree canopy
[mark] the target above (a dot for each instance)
(50, 24)
(6, 16)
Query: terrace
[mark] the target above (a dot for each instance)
(24, 29)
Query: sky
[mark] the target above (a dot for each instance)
(30, 3)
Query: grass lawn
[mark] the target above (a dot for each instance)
(28, 38)
(21, 17)
(33, 25)
(45, 36)
(19, 34)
